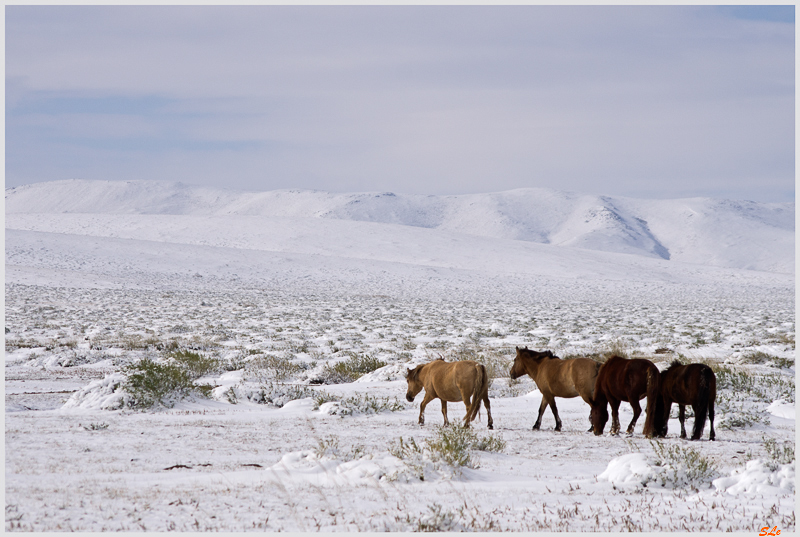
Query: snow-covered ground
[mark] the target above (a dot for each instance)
(278, 297)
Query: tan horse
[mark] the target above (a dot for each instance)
(465, 381)
(556, 378)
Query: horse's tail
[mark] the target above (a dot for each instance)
(704, 390)
(480, 386)
(653, 385)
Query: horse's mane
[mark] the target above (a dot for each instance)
(673, 365)
(412, 373)
(542, 354)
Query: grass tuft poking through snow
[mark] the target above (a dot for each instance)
(444, 455)
(350, 369)
(150, 384)
(683, 467)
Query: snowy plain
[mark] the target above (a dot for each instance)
(100, 275)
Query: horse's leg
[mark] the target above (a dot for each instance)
(637, 411)
(682, 417)
(712, 435)
(488, 410)
(696, 410)
(542, 406)
(465, 396)
(425, 400)
(614, 416)
(444, 412)
(555, 413)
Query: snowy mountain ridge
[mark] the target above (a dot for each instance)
(724, 233)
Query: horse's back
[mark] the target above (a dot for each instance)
(568, 378)
(682, 383)
(449, 379)
(618, 376)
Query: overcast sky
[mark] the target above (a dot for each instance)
(652, 102)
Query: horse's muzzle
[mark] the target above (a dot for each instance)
(409, 398)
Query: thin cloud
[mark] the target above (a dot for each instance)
(648, 101)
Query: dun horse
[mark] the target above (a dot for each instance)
(556, 378)
(693, 384)
(465, 381)
(620, 379)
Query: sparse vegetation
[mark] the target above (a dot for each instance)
(264, 368)
(96, 426)
(278, 394)
(779, 453)
(757, 357)
(328, 447)
(739, 417)
(782, 363)
(451, 446)
(350, 369)
(196, 364)
(359, 403)
(150, 384)
(683, 466)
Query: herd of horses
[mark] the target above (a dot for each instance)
(616, 380)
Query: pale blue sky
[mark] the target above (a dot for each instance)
(642, 101)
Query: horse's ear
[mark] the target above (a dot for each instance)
(526, 347)
(517, 348)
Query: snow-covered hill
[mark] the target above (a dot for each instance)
(724, 233)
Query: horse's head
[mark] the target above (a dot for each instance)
(414, 384)
(599, 417)
(527, 361)
(518, 367)
(661, 417)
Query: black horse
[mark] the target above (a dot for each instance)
(693, 384)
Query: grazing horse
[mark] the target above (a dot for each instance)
(693, 384)
(556, 378)
(465, 381)
(620, 379)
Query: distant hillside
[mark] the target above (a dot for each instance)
(733, 234)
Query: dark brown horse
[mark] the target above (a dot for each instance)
(693, 384)
(620, 379)
(556, 378)
(465, 381)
